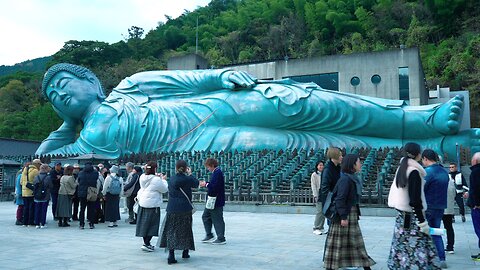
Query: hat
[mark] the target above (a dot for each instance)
(36, 161)
(100, 165)
(66, 165)
(114, 169)
(58, 163)
(76, 165)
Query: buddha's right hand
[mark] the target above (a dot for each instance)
(241, 78)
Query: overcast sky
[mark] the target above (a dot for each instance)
(35, 28)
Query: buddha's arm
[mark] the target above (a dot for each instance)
(64, 135)
(174, 83)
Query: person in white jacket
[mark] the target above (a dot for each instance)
(315, 181)
(150, 199)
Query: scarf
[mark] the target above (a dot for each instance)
(358, 183)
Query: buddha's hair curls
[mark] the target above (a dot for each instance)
(78, 71)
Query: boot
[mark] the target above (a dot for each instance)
(65, 222)
(185, 254)
(171, 257)
(60, 223)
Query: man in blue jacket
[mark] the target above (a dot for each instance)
(436, 187)
(216, 188)
(474, 198)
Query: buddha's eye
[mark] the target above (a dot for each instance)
(63, 82)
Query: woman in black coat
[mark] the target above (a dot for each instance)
(177, 233)
(344, 246)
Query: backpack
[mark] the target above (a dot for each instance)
(115, 186)
(40, 190)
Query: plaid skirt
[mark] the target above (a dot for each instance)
(410, 247)
(148, 222)
(177, 231)
(344, 246)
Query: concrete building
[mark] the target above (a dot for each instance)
(395, 74)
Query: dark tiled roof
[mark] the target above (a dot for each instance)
(12, 147)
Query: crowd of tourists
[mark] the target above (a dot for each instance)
(423, 192)
(97, 190)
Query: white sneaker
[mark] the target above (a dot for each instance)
(443, 264)
(37, 227)
(317, 232)
(43, 227)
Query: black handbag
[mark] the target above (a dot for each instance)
(329, 210)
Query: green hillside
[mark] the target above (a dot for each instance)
(237, 31)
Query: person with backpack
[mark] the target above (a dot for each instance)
(28, 175)
(112, 189)
(41, 195)
(130, 191)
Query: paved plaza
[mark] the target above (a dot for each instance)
(254, 241)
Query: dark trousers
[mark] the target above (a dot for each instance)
(75, 204)
(460, 203)
(476, 223)
(90, 206)
(28, 211)
(214, 217)
(41, 213)
(447, 224)
(54, 197)
(130, 203)
(20, 213)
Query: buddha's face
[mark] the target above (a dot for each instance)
(71, 95)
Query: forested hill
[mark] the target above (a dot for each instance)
(236, 31)
(35, 65)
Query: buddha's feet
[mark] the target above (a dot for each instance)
(469, 138)
(448, 117)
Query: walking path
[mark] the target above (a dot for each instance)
(254, 241)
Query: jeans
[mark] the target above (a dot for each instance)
(476, 223)
(41, 213)
(215, 217)
(434, 218)
(447, 224)
(28, 210)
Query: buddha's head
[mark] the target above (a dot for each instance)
(71, 89)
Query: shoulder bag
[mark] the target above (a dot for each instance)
(194, 209)
(329, 210)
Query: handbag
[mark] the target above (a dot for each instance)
(92, 194)
(136, 206)
(329, 210)
(194, 209)
(210, 202)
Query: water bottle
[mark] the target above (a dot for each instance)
(437, 231)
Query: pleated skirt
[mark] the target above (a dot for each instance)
(64, 206)
(148, 222)
(344, 246)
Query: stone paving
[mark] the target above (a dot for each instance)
(254, 241)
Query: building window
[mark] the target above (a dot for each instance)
(403, 81)
(355, 81)
(325, 80)
(376, 79)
